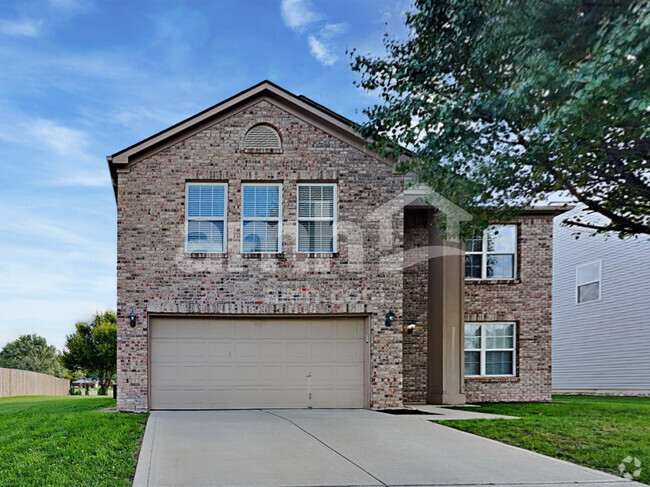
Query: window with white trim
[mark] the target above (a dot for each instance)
(588, 277)
(205, 217)
(261, 218)
(490, 349)
(492, 255)
(317, 218)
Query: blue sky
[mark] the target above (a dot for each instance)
(81, 80)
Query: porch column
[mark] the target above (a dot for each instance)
(445, 319)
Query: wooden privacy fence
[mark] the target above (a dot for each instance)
(25, 383)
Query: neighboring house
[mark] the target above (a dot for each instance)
(84, 383)
(601, 310)
(261, 263)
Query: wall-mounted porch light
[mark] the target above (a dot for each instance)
(410, 328)
(390, 317)
(132, 319)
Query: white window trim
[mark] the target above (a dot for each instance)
(484, 253)
(483, 351)
(224, 219)
(334, 219)
(261, 219)
(599, 281)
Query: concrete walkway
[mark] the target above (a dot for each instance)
(441, 413)
(296, 448)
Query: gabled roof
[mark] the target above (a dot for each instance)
(300, 105)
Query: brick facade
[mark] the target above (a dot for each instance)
(365, 277)
(416, 235)
(526, 301)
(155, 275)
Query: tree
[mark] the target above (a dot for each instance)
(31, 352)
(506, 102)
(93, 348)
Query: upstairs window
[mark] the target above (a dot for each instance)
(261, 218)
(492, 255)
(262, 138)
(205, 230)
(316, 218)
(489, 349)
(588, 278)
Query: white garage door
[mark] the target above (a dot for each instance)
(257, 363)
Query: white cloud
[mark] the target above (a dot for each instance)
(298, 14)
(20, 28)
(333, 30)
(63, 140)
(321, 51)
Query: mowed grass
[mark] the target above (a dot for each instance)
(593, 431)
(67, 441)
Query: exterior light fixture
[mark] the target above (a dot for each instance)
(390, 317)
(132, 319)
(410, 328)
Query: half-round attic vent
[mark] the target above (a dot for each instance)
(262, 138)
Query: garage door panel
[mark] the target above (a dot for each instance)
(349, 330)
(323, 329)
(165, 350)
(247, 350)
(349, 374)
(349, 351)
(221, 375)
(219, 351)
(323, 350)
(297, 351)
(272, 352)
(297, 374)
(247, 330)
(272, 329)
(192, 351)
(247, 373)
(262, 363)
(273, 374)
(168, 374)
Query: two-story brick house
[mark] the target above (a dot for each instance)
(261, 264)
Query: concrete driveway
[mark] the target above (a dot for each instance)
(336, 448)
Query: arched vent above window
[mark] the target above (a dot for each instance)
(262, 138)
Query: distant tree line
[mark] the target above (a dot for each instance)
(91, 351)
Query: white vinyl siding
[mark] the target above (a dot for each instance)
(588, 282)
(317, 215)
(261, 218)
(490, 349)
(205, 217)
(600, 345)
(492, 255)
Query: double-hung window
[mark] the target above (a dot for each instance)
(261, 218)
(317, 218)
(588, 282)
(489, 349)
(492, 255)
(205, 222)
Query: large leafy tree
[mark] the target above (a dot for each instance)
(31, 352)
(93, 348)
(506, 102)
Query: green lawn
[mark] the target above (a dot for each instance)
(67, 441)
(597, 432)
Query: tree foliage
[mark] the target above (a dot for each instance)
(506, 102)
(31, 352)
(93, 348)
